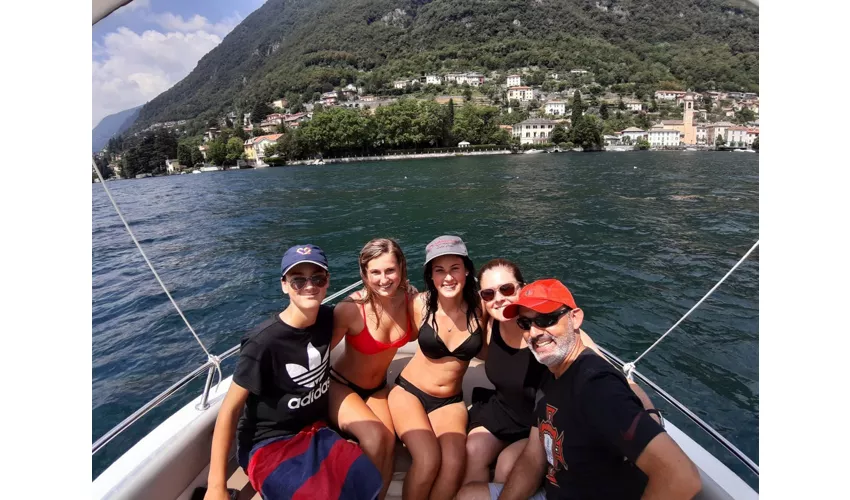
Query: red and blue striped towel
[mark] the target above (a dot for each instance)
(315, 463)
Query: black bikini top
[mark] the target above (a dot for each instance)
(433, 347)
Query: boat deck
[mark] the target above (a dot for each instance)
(239, 481)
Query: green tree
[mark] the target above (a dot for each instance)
(467, 93)
(477, 124)
(643, 122)
(271, 150)
(755, 145)
(197, 156)
(587, 134)
(559, 134)
(184, 154)
(339, 130)
(578, 109)
(217, 152)
(720, 141)
(642, 144)
(603, 111)
(235, 148)
(621, 105)
(260, 111)
(239, 132)
(744, 115)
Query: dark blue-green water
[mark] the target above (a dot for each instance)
(637, 246)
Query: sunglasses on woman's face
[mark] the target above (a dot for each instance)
(506, 290)
(541, 320)
(299, 282)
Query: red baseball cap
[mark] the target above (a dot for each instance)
(543, 296)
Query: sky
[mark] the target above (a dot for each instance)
(144, 48)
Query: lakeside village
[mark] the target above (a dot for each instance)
(421, 117)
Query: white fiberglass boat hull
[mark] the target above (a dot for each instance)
(173, 459)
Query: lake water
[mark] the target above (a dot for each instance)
(638, 237)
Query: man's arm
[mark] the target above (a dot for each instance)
(671, 473)
(528, 472)
(615, 412)
(225, 428)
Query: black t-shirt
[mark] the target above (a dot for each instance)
(593, 428)
(285, 369)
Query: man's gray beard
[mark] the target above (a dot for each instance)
(563, 345)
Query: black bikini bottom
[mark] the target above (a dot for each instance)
(363, 393)
(429, 402)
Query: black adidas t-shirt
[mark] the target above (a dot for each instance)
(593, 428)
(285, 369)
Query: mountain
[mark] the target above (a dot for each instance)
(296, 48)
(112, 125)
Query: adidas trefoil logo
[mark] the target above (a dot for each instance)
(309, 377)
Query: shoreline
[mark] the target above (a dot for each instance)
(401, 156)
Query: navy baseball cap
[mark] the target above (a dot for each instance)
(303, 253)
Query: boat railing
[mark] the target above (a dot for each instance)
(210, 368)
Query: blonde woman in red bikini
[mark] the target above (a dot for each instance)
(377, 321)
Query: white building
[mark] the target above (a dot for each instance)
(702, 133)
(659, 137)
(669, 95)
(633, 133)
(534, 130)
(633, 105)
(558, 108)
(715, 130)
(473, 79)
(738, 136)
(463, 144)
(521, 93)
(514, 81)
(279, 103)
(579, 72)
(454, 78)
(433, 80)
(400, 84)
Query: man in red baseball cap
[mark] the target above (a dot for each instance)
(593, 438)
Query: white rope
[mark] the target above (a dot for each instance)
(629, 368)
(212, 359)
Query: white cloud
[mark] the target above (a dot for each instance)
(135, 5)
(197, 22)
(129, 69)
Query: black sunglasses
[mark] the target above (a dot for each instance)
(541, 320)
(506, 290)
(299, 282)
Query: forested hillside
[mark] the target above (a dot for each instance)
(295, 48)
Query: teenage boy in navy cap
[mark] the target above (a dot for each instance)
(280, 389)
(593, 438)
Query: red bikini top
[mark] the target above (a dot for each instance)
(365, 343)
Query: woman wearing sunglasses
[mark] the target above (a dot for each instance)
(427, 402)
(500, 419)
(376, 321)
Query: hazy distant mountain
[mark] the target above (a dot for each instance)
(112, 125)
(302, 47)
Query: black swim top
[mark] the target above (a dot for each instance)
(434, 347)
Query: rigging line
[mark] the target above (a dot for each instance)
(628, 368)
(216, 362)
